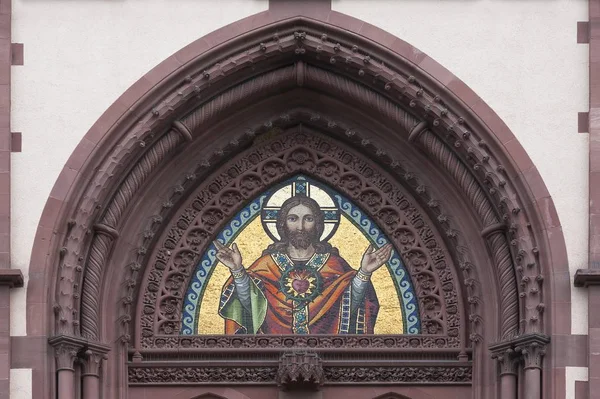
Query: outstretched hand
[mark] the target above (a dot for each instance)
(374, 259)
(230, 257)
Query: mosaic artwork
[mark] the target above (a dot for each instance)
(300, 259)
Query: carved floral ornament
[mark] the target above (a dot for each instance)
(314, 58)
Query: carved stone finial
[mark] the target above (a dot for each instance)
(300, 369)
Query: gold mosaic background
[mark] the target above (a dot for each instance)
(351, 244)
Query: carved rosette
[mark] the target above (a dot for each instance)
(300, 369)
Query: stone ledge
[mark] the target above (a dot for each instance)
(11, 277)
(586, 277)
(79, 342)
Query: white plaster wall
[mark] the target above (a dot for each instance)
(20, 383)
(573, 374)
(80, 56)
(522, 58)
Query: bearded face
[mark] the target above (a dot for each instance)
(302, 239)
(300, 227)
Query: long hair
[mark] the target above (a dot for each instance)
(283, 243)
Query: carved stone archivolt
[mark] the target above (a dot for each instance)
(189, 233)
(335, 147)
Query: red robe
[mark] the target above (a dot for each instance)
(328, 311)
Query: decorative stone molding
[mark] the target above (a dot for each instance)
(300, 369)
(208, 343)
(399, 375)
(333, 375)
(202, 375)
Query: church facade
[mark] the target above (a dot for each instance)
(299, 199)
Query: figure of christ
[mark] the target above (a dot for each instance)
(300, 285)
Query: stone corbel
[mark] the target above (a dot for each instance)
(586, 277)
(13, 278)
(302, 369)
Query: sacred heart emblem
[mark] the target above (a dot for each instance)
(301, 284)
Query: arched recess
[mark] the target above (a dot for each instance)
(259, 81)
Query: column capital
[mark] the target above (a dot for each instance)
(91, 360)
(508, 359)
(66, 349)
(532, 348)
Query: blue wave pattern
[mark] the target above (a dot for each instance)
(410, 310)
(195, 291)
(191, 308)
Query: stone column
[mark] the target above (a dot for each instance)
(508, 366)
(65, 351)
(508, 362)
(532, 348)
(91, 361)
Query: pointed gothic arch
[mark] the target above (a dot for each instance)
(207, 117)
